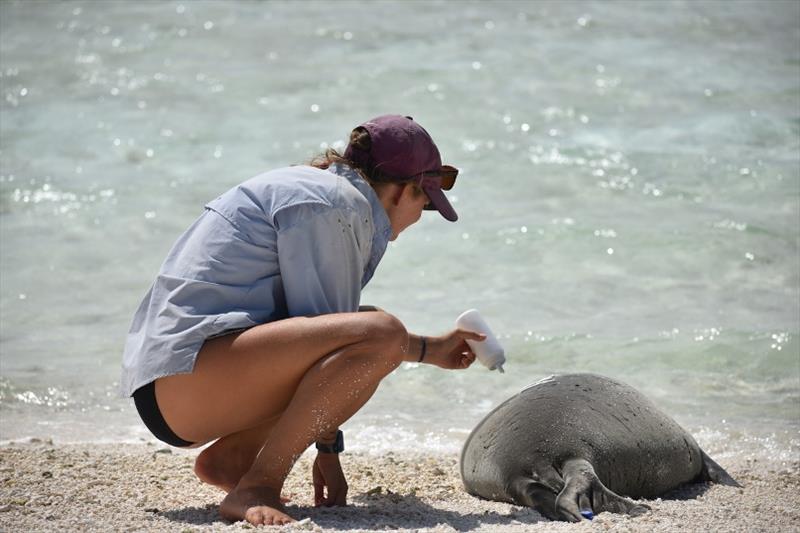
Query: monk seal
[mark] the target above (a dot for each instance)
(575, 445)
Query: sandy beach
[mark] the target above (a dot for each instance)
(147, 487)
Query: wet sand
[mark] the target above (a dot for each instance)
(147, 487)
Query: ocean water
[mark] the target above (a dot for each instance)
(629, 197)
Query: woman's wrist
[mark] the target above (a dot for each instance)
(335, 447)
(419, 349)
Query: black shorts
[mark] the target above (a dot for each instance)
(146, 404)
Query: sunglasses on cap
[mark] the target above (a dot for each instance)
(444, 179)
(433, 183)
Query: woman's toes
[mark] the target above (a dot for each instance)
(266, 516)
(255, 516)
(258, 505)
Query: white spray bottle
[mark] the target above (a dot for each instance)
(489, 352)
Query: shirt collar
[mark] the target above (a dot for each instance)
(380, 219)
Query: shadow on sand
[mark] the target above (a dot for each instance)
(393, 511)
(383, 511)
(689, 491)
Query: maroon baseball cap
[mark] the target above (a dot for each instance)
(401, 150)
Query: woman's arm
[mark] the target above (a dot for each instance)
(449, 351)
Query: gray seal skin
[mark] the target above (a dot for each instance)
(576, 443)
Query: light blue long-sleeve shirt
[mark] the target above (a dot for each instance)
(297, 241)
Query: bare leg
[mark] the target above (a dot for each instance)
(310, 373)
(330, 393)
(225, 462)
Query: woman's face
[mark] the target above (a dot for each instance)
(407, 203)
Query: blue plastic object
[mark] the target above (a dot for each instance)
(587, 514)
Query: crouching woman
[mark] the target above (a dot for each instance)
(251, 336)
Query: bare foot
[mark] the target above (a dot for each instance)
(257, 505)
(223, 476)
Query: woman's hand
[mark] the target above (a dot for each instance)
(451, 350)
(327, 472)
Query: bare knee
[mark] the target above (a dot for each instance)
(383, 325)
(389, 337)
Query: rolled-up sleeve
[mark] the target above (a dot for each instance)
(322, 252)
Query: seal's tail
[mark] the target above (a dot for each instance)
(584, 495)
(713, 472)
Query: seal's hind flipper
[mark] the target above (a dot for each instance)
(538, 490)
(531, 493)
(713, 472)
(584, 491)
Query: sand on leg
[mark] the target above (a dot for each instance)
(311, 373)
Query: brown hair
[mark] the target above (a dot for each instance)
(360, 140)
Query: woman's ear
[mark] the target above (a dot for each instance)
(400, 188)
(389, 194)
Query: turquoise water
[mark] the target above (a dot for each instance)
(629, 200)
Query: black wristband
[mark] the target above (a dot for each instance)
(336, 447)
(423, 349)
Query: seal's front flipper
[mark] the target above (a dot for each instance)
(583, 492)
(713, 472)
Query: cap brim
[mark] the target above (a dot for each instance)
(440, 202)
